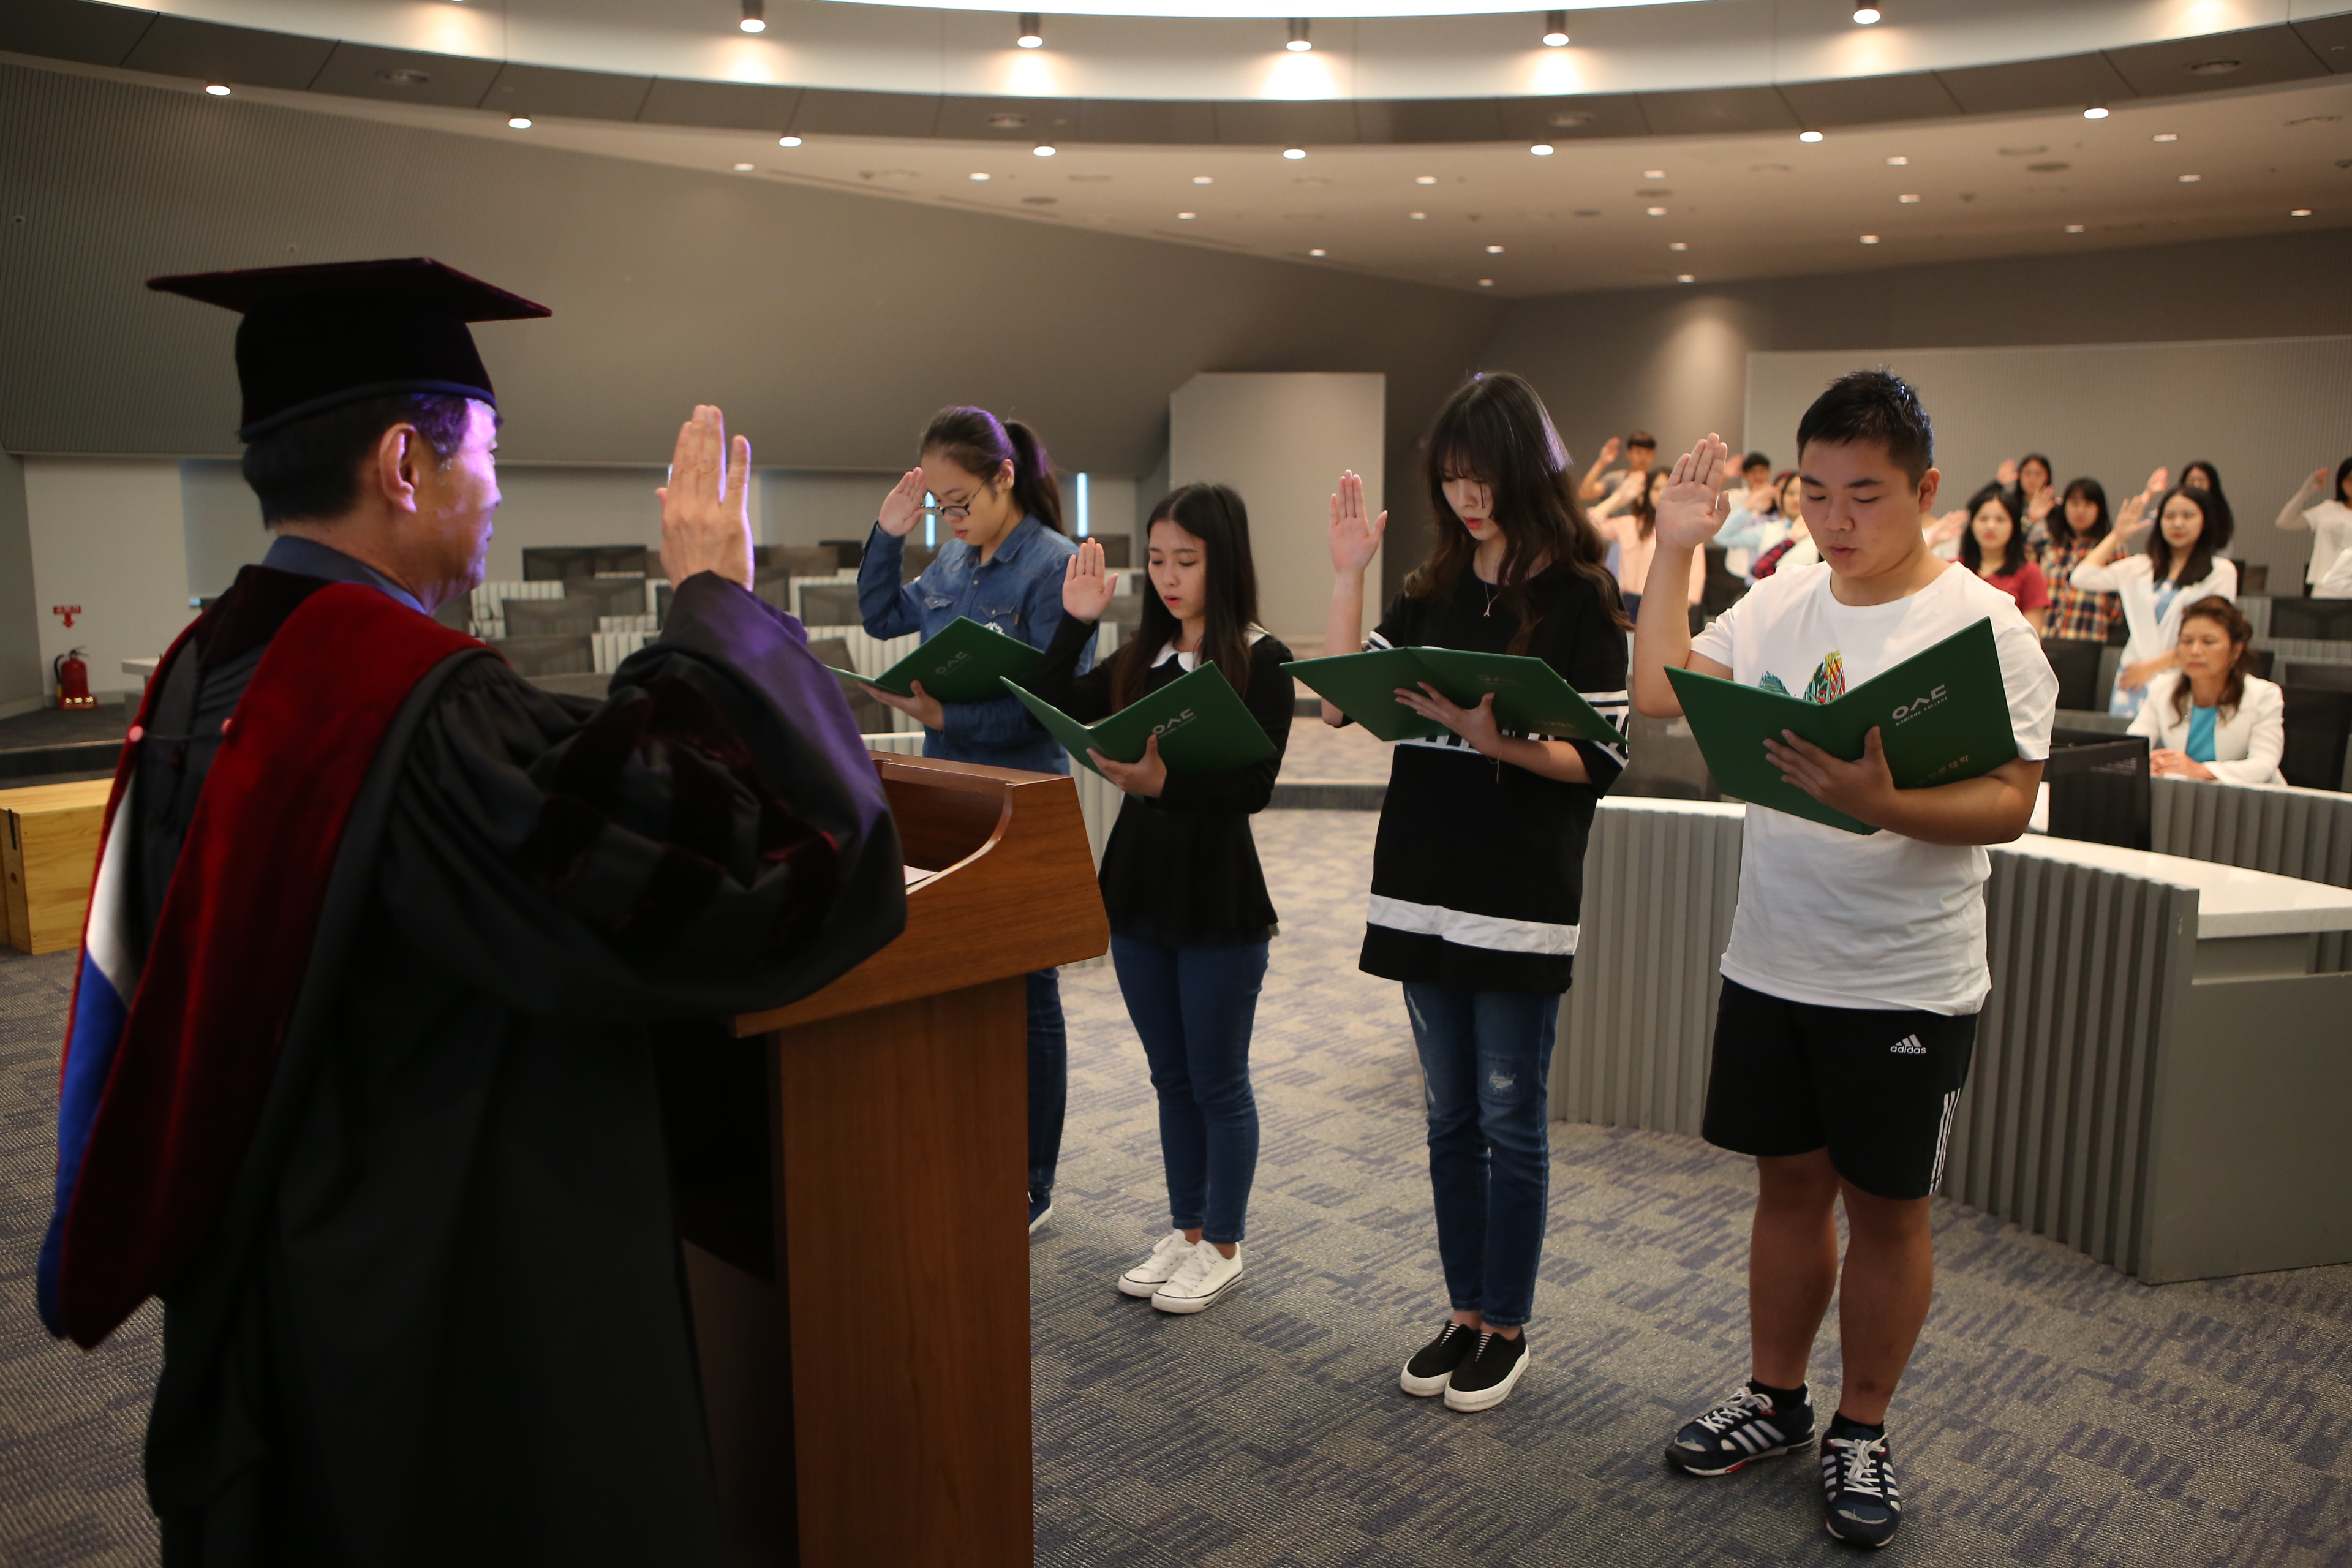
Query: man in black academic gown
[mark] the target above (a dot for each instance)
(382, 1127)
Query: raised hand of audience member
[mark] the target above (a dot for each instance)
(1693, 505)
(2043, 503)
(1354, 537)
(1948, 527)
(1086, 588)
(706, 506)
(2006, 474)
(903, 507)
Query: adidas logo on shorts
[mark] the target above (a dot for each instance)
(1908, 1046)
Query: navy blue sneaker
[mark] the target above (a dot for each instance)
(1858, 1483)
(1041, 1209)
(1746, 1427)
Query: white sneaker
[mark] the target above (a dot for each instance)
(1200, 1280)
(1166, 1254)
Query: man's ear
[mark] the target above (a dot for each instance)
(1929, 483)
(392, 469)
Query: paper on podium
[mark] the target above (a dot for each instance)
(1942, 716)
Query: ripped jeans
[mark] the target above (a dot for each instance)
(1486, 1057)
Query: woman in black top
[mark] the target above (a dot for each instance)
(1478, 875)
(1189, 918)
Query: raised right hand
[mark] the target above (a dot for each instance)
(1693, 505)
(2158, 482)
(706, 506)
(1086, 588)
(1355, 538)
(2318, 480)
(2006, 474)
(903, 507)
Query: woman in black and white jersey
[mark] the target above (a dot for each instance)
(1478, 871)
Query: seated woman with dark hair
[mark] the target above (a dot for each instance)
(2211, 718)
(2059, 545)
(1994, 549)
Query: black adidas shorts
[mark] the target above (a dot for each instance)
(1877, 1086)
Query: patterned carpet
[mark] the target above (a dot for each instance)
(2057, 1412)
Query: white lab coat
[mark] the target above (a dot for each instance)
(2248, 740)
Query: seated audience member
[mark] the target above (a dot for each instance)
(2329, 518)
(1640, 449)
(1629, 518)
(2076, 615)
(2183, 563)
(2213, 718)
(1757, 469)
(1994, 549)
(1762, 518)
(2028, 485)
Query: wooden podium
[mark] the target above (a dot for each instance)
(865, 1360)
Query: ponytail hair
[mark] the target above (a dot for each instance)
(979, 443)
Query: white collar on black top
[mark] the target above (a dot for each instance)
(1188, 662)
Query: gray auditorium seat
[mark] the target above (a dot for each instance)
(611, 595)
(1126, 611)
(830, 604)
(1663, 761)
(774, 584)
(873, 718)
(800, 560)
(542, 563)
(847, 553)
(538, 656)
(549, 617)
(1119, 549)
(917, 557)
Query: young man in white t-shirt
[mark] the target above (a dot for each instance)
(1856, 966)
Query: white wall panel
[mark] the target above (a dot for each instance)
(2265, 412)
(1282, 440)
(107, 535)
(555, 505)
(220, 524)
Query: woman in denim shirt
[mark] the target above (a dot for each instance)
(1004, 569)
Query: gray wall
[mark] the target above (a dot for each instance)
(1674, 360)
(22, 680)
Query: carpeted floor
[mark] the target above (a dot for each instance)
(2057, 1412)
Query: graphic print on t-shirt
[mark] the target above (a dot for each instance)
(1827, 685)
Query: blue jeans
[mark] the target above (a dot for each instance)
(1049, 1078)
(1193, 1007)
(1487, 1055)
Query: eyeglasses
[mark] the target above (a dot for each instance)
(961, 509)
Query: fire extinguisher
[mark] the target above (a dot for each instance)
(73, 680)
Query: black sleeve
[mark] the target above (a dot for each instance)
(1272, 702)
(1590, 654)
(1400, 626)
(713, 838)
(1086, 697)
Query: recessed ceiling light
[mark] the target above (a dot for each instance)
(2097, 111)
(1299, 43)
(1318, 250)
(1294, 154)
(1870, 239)
(1424, 179)
(1898, 162)
(1809, 136)
(2074, 229)
(1866, 15)
(1187, 216)
(1684, 277)
(1555, 33)
(218, 88)
(754, 19)
(1494, 250)
(1042, 151)
(1541, 148)
(519, 122)
(2300, 212)
(1656, 212)
(747, 168)
(1204, 179)
(1654, 174)
(1908, 201)
(978, 176)
(788, 141)
(1485, 282)
(1417, 217)
(2191, 179)
(1679, 245)
(2165, 136)
(1032, 34)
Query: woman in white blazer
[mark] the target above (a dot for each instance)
(2209, 719)
(2181, 566)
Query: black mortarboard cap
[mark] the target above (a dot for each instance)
(316, 337)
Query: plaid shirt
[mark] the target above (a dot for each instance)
(2074, 613)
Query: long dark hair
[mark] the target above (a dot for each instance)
(2342, 470)
(1214, 515)
(1493, 428)
(2211, 539)
(2012, 555)
(2241, 633)
(1644, 509)
(2096, 494)
(2017, 495)
(979, 443)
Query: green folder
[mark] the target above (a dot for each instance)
(1531, 698)
(1942, 716)
(1202, 724)
(962, 664)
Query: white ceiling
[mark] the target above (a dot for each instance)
(1746, 207)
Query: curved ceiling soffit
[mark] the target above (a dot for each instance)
(89, 33)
